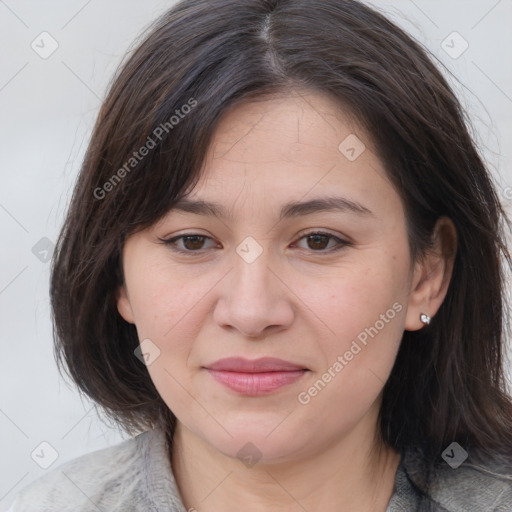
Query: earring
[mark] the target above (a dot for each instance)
(425, 318)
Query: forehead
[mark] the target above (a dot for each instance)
(289, 126)
(291, 147)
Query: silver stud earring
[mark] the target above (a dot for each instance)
(425, 318)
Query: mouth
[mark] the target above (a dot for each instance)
(255, 377)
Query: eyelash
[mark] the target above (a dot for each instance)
(171, 242)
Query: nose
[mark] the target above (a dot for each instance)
(254, 299)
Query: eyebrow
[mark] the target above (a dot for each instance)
(289, 210)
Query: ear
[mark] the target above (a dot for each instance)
(432, 275)
(124, 306)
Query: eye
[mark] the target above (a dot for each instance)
(319, 241)
(316, 241)
(192, 242)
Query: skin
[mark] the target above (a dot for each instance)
(297, 301)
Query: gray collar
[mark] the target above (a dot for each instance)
(469, 488)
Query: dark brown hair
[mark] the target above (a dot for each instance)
(447, 383)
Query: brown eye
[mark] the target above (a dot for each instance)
(318, 242)
(194, 242)
(323, 242)
(188, 244)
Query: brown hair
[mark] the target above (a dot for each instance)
(447, 383)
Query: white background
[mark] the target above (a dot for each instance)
(48, 107)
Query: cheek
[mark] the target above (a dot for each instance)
(167, 310)
(164, 301)
(365, 313)
(367, 317)
(363, 295)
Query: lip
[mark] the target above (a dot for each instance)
(255, 377)
(263, 364)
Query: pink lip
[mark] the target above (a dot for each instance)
(263, 364)
(256, 377)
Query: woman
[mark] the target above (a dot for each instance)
(282, 269)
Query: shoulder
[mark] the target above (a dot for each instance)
(114, 479)
(86, 480)
(474, 487)
(470, 487)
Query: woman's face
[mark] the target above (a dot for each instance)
(253, 281)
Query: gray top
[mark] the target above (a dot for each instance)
(136, 476)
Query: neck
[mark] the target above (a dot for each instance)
(349, 475)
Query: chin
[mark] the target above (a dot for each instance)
(258, 443)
